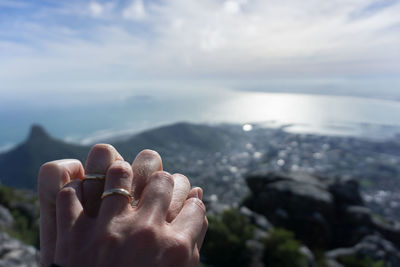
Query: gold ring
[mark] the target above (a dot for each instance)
(119, 191)
(94, 176)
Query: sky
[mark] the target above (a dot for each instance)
(75, 50)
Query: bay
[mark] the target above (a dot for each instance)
(300, 113)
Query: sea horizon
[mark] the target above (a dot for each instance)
(322, 114)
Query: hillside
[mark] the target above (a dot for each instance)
(218, 158)
(334, 196)
(179, 138)
(20, 166)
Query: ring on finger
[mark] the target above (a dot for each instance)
(118, 191)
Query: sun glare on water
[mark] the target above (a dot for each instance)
(247, 127)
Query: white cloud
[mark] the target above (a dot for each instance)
(96, 9)
(208, 39)
(135, 11)
(232, 7)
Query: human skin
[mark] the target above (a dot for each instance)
(123, 235)
(54, 175)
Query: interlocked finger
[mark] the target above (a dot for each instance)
(156, 197)
(145, 164)
(116, 197)
(191, 218)
(100, 157)
(180, 194)
(52, 176)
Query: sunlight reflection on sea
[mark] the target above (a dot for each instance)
(299, 113)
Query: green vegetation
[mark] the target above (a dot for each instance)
(352, 261)
(281, 249)
(348, 261)
(225, 243)
(320, 259)
(24, 230)
(25, 227)
(365, 183)
(379, 218)
(6, 196)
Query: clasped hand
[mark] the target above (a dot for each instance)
(163, 225)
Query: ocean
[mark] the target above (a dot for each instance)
(300, 113)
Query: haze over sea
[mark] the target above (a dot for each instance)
(126, 113)
(89, 70)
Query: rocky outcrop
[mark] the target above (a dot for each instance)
(322, 212)
(18, 217)
(301, 203)
(6, 219)
(13, 253)
(256, 219)
(374, 247)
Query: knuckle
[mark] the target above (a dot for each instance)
(181, 246)
(51, 173)
(182, 179)
(50, 178)
(148, 153)
(48, 169)
(100, 154)
(197, 203)
(102, 148)
(163, 176)
(184, 242)
(146, 233)
(120, 169)
(109, 237)
(65, 194)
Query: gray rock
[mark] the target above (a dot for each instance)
(214, 207)
(309, 255)
(6, 219)
(341, 252)
(257, 249)
(333, 263)
(351, 225)
(326, 213)
(257, 219)
(28, 210)
(390, 231)
(372, 246)
(345, 190)
(13, 253)
(305, 207)
(357, 214)
(290, 193)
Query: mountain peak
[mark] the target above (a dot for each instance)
(38, 132)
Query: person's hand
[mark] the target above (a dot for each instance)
(122, 235)
(54, 175)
